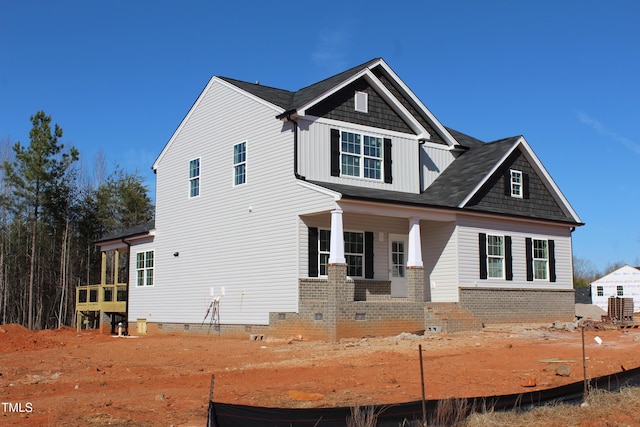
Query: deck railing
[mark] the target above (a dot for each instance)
(107, 298)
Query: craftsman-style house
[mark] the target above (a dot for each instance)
(345, 209)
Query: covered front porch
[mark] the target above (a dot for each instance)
(367, 272)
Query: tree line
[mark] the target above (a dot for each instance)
(53, 207)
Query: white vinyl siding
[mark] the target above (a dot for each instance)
(440, 254)
(468, 229)
(314, 156)
(222, 239)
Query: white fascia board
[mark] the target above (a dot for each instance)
(363, 128)
(195, 105)
(537, 165)
(396, 210)
(112, 245)
(421, 132)
(449, 139)
(524, 220)
(334, 194)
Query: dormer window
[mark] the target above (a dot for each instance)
(362, 102)
(361, 156)
(516, 183)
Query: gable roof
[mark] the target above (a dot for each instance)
(296, 102)
(464, 178)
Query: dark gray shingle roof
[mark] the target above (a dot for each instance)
(449, 189)
(458, 180)
(130, 232)
(288, 100)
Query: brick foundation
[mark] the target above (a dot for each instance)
(496, 305)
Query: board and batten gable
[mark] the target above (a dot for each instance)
(315, 155)
(468, 229)
(240, 238)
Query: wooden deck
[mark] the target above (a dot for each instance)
(110, 298)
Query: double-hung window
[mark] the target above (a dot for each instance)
(495, 256)
(600, 291)
(144, 268)
(353, 252)
(619, 290)
(361, 155)
(516, 183)
(324, 240)
(240, 163)
(194, 177)
(540, 259)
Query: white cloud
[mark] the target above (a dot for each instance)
(601, 129)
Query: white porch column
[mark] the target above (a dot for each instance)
(336, 245)
(414, 251)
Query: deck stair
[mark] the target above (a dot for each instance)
(449, 317)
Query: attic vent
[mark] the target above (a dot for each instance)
(362, 102)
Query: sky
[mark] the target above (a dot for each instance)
(119, 76)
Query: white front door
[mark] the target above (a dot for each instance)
(398, 265)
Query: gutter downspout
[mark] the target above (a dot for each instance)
(126, 304)
(295, 148)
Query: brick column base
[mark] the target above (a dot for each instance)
(415, 284)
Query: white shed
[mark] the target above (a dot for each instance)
(623, 282)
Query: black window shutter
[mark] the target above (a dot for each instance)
(388, 177)
(482, 247)
(335, 152)
(313, 252)
(508, 258)
(529, 254)
(368, 255)
(507, 183)
(552, 261)
(525, 185)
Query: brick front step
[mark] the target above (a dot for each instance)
(449, 317)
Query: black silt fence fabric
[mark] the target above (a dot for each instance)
(228, 415)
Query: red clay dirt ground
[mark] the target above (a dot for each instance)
(59, 377)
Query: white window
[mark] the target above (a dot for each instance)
(194, 178)
(144, 268)
(240, 163)
(600, 291)
(620, 290)
(361, 155)
(540, 259)
(325, 242)
(516, 183)
(362, 102)
(495, 257)
(353, 252)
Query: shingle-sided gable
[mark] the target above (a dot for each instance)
(341, 106)
(538, 201)
(464, 174)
